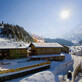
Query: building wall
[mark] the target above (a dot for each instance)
(65, 49)
(13, 53)
(4, 53)
(48, 50)
(39, 51)
(18, 53)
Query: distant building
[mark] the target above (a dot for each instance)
(45, 48)
(79, 53)
(76, 50)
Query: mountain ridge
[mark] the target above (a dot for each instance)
(15, 32)
(60, 41)
(74, 35)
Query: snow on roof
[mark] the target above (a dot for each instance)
(47, 45)
(13, 45)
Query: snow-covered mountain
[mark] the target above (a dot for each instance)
(9, 31)
(75, 35)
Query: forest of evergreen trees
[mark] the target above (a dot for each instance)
(16, 32)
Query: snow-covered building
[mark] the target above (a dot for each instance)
(13, 50)
(45, 48)
(21, 49)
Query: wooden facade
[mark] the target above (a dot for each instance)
(35, 49)
(65, 49)
(13, 53)
(4, 53)
(18, 53)
(44, 50)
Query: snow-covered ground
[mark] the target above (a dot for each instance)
(3, 39)
(54, 74)
(13, 63)
(57, 71)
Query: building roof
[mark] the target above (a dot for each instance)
(47, 45)
(13, 45)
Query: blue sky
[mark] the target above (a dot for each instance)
(42, 17)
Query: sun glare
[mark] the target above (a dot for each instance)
(65, 14)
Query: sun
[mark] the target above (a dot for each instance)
(65, 14)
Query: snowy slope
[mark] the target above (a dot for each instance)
(3, 39)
